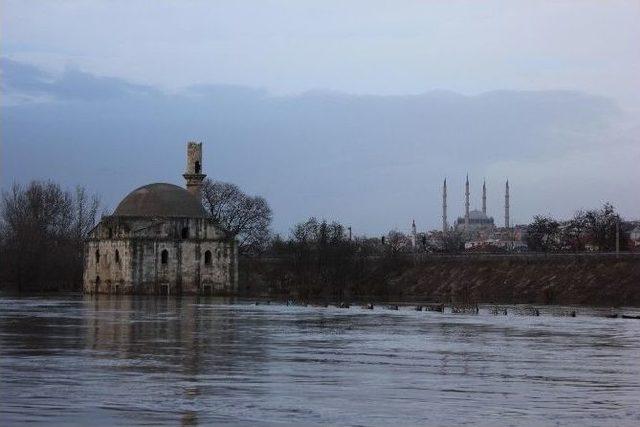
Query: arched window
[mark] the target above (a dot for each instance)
(197, 167)
(97, 256)
(185, 232)
(164, 257)
(117, 257)
(207, 258)
(110, 232)
(97, 280)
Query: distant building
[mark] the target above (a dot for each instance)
(493, 244)
(160, 240)
(477, 228)
(475, 222)
(634, 238)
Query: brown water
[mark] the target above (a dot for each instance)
(88, 360)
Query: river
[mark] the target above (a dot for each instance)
(156, 361)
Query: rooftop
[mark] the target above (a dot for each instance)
(160, 200)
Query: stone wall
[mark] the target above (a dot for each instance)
(139, 267)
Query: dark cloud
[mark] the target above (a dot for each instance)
(372, 159)
(22, 78)
(72, 84)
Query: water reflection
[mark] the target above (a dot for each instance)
(191, 361)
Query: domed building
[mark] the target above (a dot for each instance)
(160, 240)
(475, 223)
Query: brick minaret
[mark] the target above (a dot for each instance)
(193, 174)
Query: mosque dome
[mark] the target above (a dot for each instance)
(476, 214)
(160, 200)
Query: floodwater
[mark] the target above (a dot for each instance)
(158, 361)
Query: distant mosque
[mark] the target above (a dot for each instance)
(474, 222)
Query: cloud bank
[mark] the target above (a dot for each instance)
(374, 162)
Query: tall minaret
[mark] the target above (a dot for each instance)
(506, 205)
(414, 234)
(484, 197)
(445, 227)
(193, 174)
(466, 204)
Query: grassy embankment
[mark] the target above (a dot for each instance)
(594, 279)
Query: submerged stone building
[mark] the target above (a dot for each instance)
(160, 240)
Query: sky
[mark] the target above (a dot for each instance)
(352, 111)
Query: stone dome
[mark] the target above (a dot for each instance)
(160, 200)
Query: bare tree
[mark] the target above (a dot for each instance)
(543, 234)
(42, 231)
(398, 242)
(452, 242)
(574, 235)
(246, 217)
(601, 226)
(305, 232)
(596, 227)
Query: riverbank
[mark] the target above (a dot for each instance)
(582, 279)
(604, 280)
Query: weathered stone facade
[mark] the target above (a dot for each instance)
(160, 241)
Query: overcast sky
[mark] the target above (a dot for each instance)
(354, 111)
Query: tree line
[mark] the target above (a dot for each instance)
(319, 260)
(42, 233)
(600, 230)
(43, 229)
